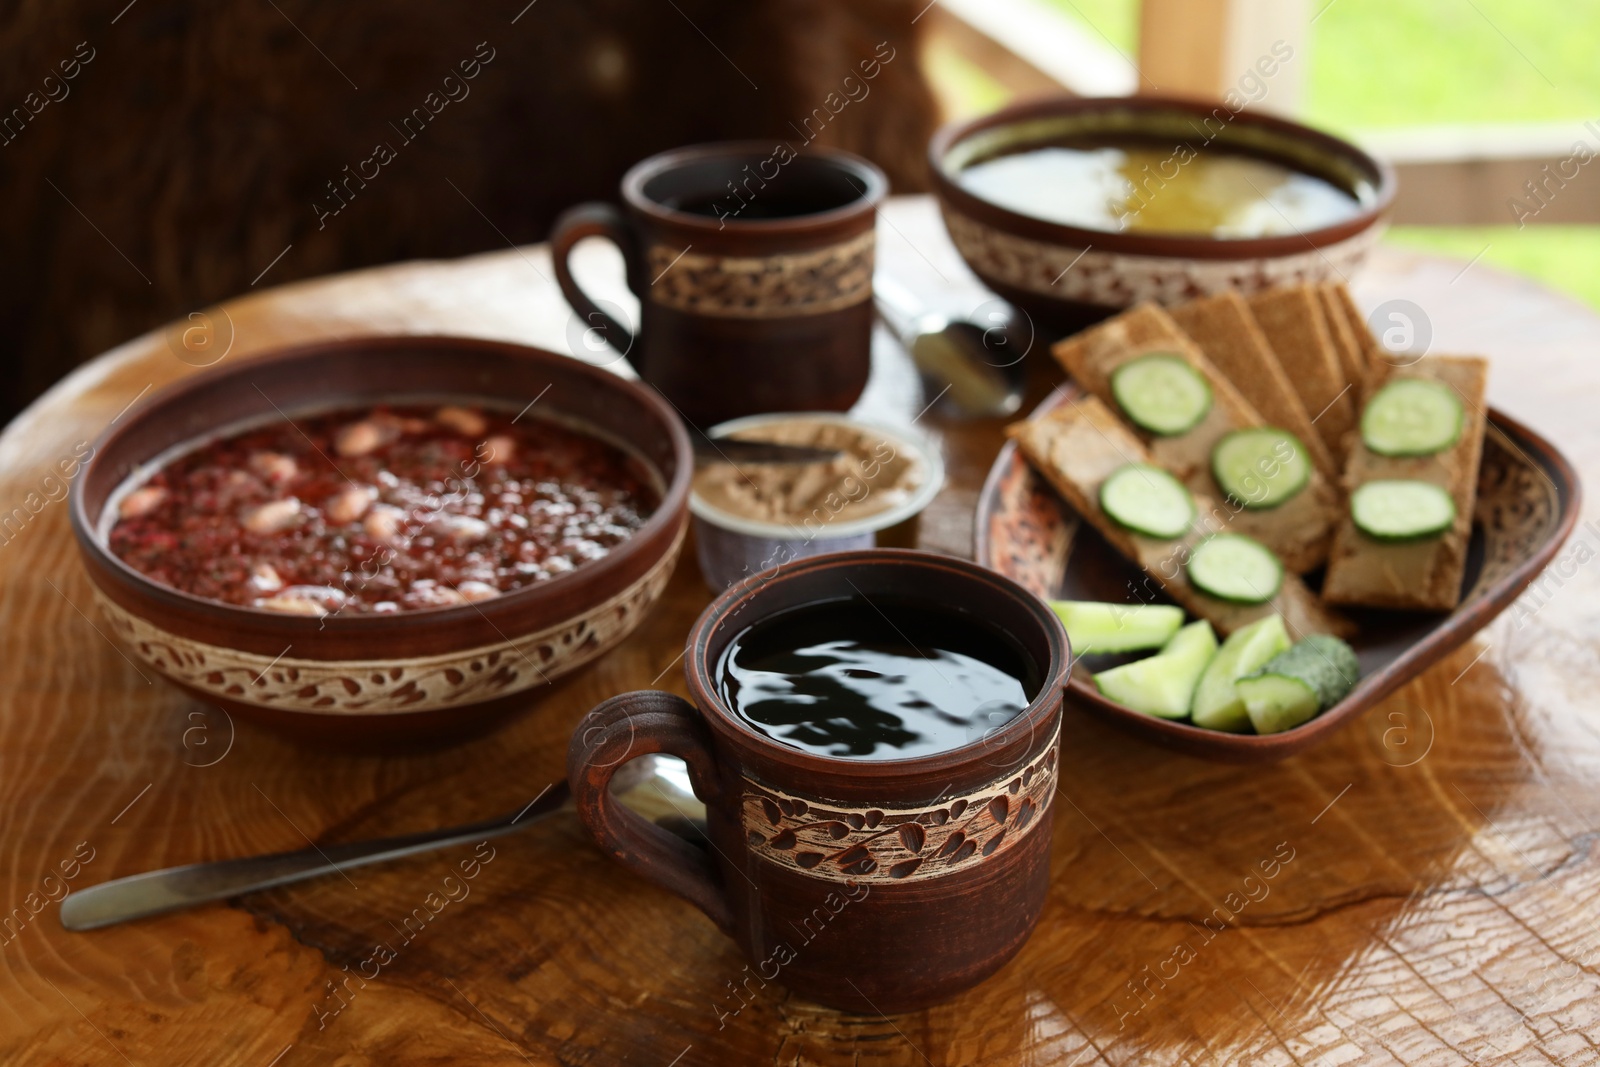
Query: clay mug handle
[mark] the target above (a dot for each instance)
(623, 728)
(596, 220)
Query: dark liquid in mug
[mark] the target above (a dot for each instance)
(735, 190)
(876, 679)
(765, 204)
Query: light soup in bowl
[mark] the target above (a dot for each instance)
(1143, 187)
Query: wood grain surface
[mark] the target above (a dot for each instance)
(1421, 889)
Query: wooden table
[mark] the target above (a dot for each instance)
(1440, 905)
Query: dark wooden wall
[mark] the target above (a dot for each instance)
(193, 140)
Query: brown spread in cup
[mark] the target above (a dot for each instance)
(873, 473)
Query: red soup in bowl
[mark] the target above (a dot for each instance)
(380, 509)
(383, 539)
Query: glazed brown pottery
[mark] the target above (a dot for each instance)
(753, 267)
(379, 679)
(1067, 277)
(1527, 504)
(880, 886)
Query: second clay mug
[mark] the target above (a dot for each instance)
(869, 885)
(753, 267)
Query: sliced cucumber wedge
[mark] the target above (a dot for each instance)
(1094, 627)
(1412, 417)
(1163, 685)
(1236, 568)
(1148, 500)
(1217, 703)
(1294, 686)
(1161, 393)
(1260, 467)
(1402, 510)
(1278, 702)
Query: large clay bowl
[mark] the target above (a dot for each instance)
(410, 676)
(1066, 277)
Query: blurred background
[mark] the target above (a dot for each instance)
(160, 155)
(1470, 99)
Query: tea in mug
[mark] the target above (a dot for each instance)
(876, 678)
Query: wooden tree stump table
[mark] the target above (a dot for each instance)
(1434, 877)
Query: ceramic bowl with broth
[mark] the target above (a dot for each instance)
(1075, 208)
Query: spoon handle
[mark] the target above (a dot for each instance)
(141, 895)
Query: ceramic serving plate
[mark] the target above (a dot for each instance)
(1528, 503)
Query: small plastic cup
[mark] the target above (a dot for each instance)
(731, 547)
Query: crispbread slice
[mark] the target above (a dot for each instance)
(1352, 358)
(1292, 319)
(1299, 530)
(1373, 354)
(1225, 331)
(1078, 445)
(1424, 575)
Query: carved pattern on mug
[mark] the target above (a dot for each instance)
(381, 686)
(764, 287)
(887, 844)
(1116, 279)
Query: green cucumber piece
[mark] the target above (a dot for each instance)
(1412, 417)
(1161, 393)
(1402, 510)
(1294, 686)
(1261, 467)
(1236, 568)
(1098, 627)
(1277, 702)
(1163, 685)
(1147, 500)
(1217, 703)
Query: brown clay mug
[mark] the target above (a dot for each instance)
(868, 885)
(753, 266)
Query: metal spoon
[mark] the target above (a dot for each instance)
(973, 364)
(655, 786)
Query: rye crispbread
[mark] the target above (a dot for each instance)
(1352, 357)
(1227, 333)
(1082, 442)
(1373, 354)
(1299, 530)
(1426, 574)
(1294, 325)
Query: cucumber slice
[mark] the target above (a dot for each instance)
(1096, 627)
(1402, 510)
(1295, 685)
(1277, 702)
(1217, 703)
(1162, 685)
(1260, 467)
(1412, 417)
(1161, 393)
(1236, 568)
(1147, 500)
